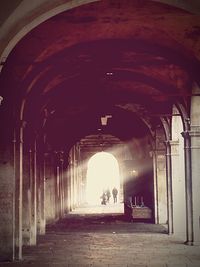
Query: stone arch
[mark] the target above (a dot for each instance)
(18, 142)
(27, 25)
(195, 155)
(100, 183)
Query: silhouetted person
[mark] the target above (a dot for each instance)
(114, 193)
(108, 194)
(104, 198)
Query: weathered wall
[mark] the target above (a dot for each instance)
(139, 173)
(195, 156)
(6, 203)
(160, 178)
(178, 177)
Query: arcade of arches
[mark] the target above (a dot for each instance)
(81, 77)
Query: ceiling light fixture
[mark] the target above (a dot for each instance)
(104, 120)
(1, 99)
(109, 73)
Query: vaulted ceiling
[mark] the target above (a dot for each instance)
(131, 59)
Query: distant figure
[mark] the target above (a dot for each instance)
(114, 193)
(108, 195)
(104, 198)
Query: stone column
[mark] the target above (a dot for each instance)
(79, 177)
(41, 195)
(169, 188)
(70, 184)
(188, 189)
(178, 185)
(66, 185)
(35, 186)
(50, 184)
(73, 180)
(160, 177)
(57, 185)
(74, 177)
(26, 196)
(33, 195)
(194, 134)
(121, 196)
(43, 191)
(62, 189)
(195, 160)
(155, 182)
(76, 183)
(18, 154)
(8, 153)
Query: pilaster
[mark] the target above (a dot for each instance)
(7, 200)
(159, 161)
(178, 192)
(169, 187)
(18, 159)
(188, 188)
(195, 173)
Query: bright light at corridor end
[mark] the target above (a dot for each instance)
(102, 173)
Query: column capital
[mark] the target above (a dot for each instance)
(186, 134)
(166, 142)
(171, 142)
(194, 132)
(18, 132)
(70, 162)
(174, 147)
(46, 154)
(174, 142)
(21, 123)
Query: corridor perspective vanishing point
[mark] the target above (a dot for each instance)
(100, 133)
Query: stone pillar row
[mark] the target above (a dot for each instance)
(188, 188)
(46, 192)
(188, 207)
(75, 181)
(169, 187)
(37, 187)
(160, 185)
(178, 188)
(192, 176)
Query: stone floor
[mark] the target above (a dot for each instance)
(90, 238)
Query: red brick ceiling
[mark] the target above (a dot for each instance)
(87, 61)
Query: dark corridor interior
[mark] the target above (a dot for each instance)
(82, 77)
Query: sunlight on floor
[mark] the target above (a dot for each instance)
(100, 209)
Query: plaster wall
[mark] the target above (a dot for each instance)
(6, 204)
(160, 173)
(195, 156)
(178, 178)
(50, 207)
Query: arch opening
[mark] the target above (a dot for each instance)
(102, 174)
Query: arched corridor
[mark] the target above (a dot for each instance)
(81, 79)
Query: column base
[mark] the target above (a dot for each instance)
(189, 243)
(170, 231)
(192, 243)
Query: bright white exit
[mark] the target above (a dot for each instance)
(102, 173)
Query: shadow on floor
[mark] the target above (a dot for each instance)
(104, 223)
